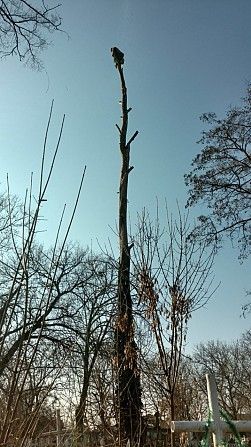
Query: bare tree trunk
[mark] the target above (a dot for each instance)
(129, 390)
(80, 411)
(89, 359)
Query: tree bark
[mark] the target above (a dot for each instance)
(128, 380)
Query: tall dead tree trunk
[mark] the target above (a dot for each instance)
(128, 381)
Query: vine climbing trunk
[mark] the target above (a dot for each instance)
(128, 378)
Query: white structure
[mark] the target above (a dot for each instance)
(217, 427)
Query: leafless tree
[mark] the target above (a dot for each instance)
(221, 177)
(96, 317)
(230, 363)
(172, 281)
(23, 28)
(102, 400)
(129, 392)
(28, 301)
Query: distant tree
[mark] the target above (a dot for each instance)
(221, 177)
(245, 346)
(23, 25)
(230, 363)
(189, 402)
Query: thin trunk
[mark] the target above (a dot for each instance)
(172, 414)
(129, 389)
(80, 410)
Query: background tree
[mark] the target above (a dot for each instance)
(23, 29)
(30, 305)
(221, 177)
(96, 309)
(230, 362)
(102, 395)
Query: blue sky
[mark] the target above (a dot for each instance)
(182, 58)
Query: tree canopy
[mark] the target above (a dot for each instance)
(221, 177)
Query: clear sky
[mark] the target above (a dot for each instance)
(182, 58)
